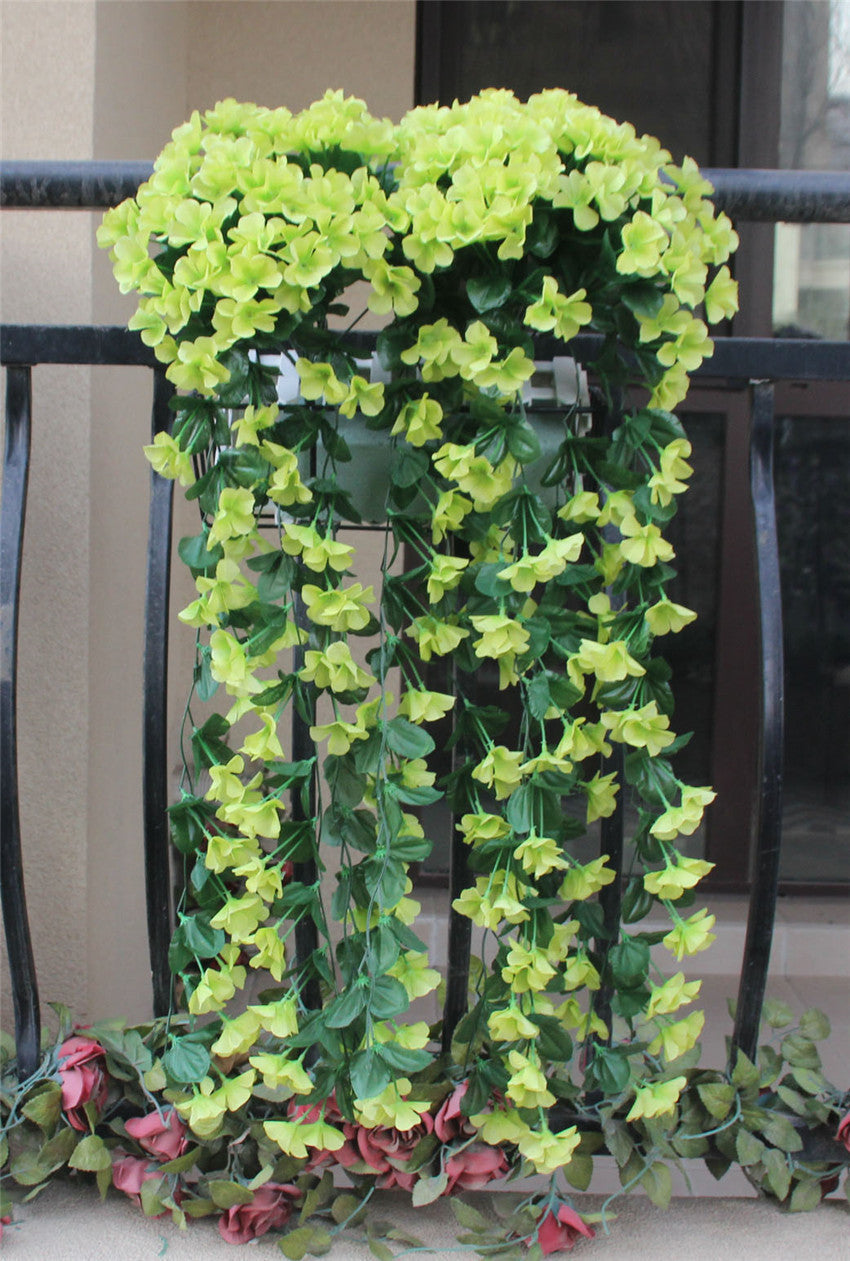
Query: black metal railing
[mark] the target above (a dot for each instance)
(744, 363)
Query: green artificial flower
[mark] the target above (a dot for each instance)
(690, 936)
(656, 1099)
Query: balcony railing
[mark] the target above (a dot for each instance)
(755, 365)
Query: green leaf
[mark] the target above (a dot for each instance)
(538, 696)
(609, 1069)
(805, 1196)
(486, 293)
(468, 1217)
(579, 1171)
(186, 1060)
(368, 1075)
(301, 1242)
(226, 1194)
(814, 1024)
(388, 998)
(193, 552)
(151, 1197)
(658, 1184)
(44, 1106)
(629, 961)
(776, 1013)
(379, 1250)
(409, 467)
(777, 1172)
(90, 1154)
(642, 298)
(408, 740)
(749, 1148)
(717, 1098)
(553, 1043)
(427, 1190)
(745, 1074)
(523, 444)
(800, 1051)
(781, 1133)
(403, 1059)
(618, 1140)
(810, 1080)
(347, 1007)
(347, 1208)
(317, 1196)
(202, 939)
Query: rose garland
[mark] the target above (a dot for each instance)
(473, 227)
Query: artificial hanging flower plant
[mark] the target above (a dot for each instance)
(471, 230)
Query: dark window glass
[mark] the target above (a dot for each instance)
(650, 62)
(813, 511)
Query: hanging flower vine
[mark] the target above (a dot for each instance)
(472, 230)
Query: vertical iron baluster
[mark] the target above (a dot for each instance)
(460, 926)
(307, 872)
(611, 828)
(155, 723)
(768, 817)
(18, 940)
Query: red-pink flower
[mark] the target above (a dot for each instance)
(449, 1121)
(561, 1230)
(82, 1073)
(842, 1134)
(163, 1136)
(4, 1221)
(387, 1151)
(474, 1166)
(270, 1207)
(130, 1172)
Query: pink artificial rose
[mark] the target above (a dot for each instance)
(561, 1230)
(473, 1167)
(387, 1151)
(129, 1173)
(163, 1137)
(842, 1134)
(449, 1121)
(82, 1072)
(271, 1206)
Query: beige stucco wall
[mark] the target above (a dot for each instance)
(110, 79)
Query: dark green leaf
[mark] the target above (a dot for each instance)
(369, 1074)
(489, 291)
(186, 1060)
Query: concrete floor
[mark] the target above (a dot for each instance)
(67, 1223)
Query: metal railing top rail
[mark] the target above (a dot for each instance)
(735, 359)
(747, 195)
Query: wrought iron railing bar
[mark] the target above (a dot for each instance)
(770, 196)
(157, 843)
(746, 194)
(739, 359)
(768, 818)
(97, 345)
(612, 828)
(306, 872)
(459, 928)
(15, 921)
(69, 185)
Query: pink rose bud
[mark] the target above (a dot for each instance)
(82, 1072)
(163, 1137)
(560, 1230)
(271, 1206)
